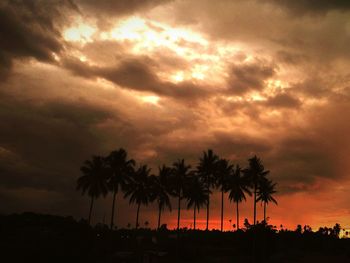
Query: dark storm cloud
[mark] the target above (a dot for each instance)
(18, 173)
(313, 6)
(299, 160)
(296, 161)
(132, 73)
(315, 87)
(319, 149)
(240, 144)
(283, 100)
(246, 109)
(44, 142)
(5, 65)
(249, 77)
(252, 109)
(138, 74)
(44, 139)
(30, 29)
(119, 7)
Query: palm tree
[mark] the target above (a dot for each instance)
(207, 170)
(181, 173)
(160, 189)
(265, 192)
(120, 168)
(139, 189)
(224, 170)
(237, 186)
(255, 174)
(196, 197)
(94, 180)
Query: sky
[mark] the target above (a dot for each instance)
(168, 80)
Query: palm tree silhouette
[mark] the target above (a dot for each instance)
(237, 186)
(119, 168)
(139, 189)
(160, 189)
(94, 180)
(265, 192)
(207, 170)
(255, 173)
(181, 173)
(224, 170)
(197, 196)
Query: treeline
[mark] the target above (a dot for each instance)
(31, 237)
(117, 173)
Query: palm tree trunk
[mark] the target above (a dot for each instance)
(178, 212)
(159, 214)
(265, 212)
(208, 201)
(237, 215)
(90, 212)
(137, 215)
(113, 205)
(194, 217)
(207, 227)
(255, 186)
(222, 209)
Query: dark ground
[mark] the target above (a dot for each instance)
(30, 237)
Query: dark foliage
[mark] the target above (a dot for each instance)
(30, 237)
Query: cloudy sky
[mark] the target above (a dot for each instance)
(169, 79)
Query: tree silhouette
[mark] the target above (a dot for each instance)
(336, 230)
(197, 196)
(139, 189)
(119, 168)
(116, 173)
(237, 186)
(224, 170)
(265, 192)
(207, 170)
(181, 173)
(255, 174)
(160, 189)
(94, 180)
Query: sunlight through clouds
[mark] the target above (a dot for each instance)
(130, 29)
(80, 32)
(178, 76)
(149, 35)
(151, 99)
(141, 36)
